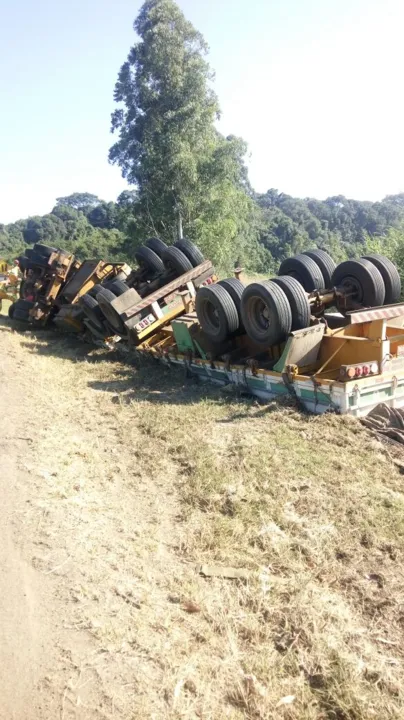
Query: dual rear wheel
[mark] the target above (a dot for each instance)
(155, 257)
(266, 311)
(370, 281)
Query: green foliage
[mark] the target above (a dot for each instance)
(343, 227)
(64, 227)
(168, 145)
(79, 201)
(232, 227)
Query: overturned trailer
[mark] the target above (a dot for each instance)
(349, 370)
(330, 336)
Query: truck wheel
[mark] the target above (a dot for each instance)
(324, 262)
(217, 313)
(305, 270)
(92, 310)
(22, 304)
(148, 259)
(117, 287)
(11, 311)
(105, 297)
(235, 288)
(266, 313)
(21, 315)
(157, 245)
(298, 301)
(94, 290)
(35, 258)
(363, 279)
(190, 251)
(44, 250)
(390, 275)
(21, 310)
(175, 260)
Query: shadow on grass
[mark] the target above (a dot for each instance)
(138, 377)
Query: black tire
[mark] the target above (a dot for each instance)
(175, 260)
(114, 320)
(157, 245)
(298, 301)
(92, 310)
(94, 290)
(235, 288)
(190, 251)
(35, 258)
(266, 313)
(390, 275)
(107, 294)
(117, 287)
(22, 304)
(21, 310)
(365, 280)
(21, 315)
(305, 270)
(217, 313)
(44, 250)
(148, 259)
(11, 310)
(324, 262)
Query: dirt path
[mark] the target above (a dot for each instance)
(26, 615)
(85, 544)
(24, 635)
(34, 640)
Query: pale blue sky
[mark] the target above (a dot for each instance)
(314, 86)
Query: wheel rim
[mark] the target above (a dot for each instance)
(211, 316)
(353, 285)
(260, 316)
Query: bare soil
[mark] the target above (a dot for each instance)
(119, 478)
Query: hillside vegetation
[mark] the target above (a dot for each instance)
(281, 226)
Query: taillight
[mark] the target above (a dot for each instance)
(350, 372)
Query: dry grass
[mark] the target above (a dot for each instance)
(141, 476)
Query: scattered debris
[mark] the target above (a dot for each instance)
(224, 572)
(386, 421)
(287, 700)
(253, 686)
(190, 607)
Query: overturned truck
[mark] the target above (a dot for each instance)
(331, 336)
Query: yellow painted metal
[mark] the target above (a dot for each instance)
(178, 310)
(327, 362)
(87, 275)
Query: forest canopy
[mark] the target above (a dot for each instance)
(280, 226)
